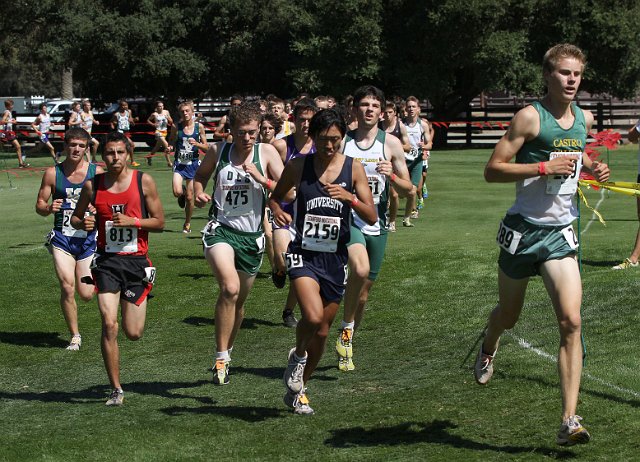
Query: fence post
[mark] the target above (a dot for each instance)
(469, 126)
(600, 117)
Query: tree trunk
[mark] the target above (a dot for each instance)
(67, 83)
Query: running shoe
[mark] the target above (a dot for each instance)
(186, 228)
(288, 319)
(298, 402)
(483, 369)
(135, 164)
(626, 264)
(76, 343)
(346, 364)
(392, 227)
(181, 201)
(279, 279)
(344, 348)
(414, 214)
(420, 204)
(407, 223)
(425, 192)
(292, 378)
(221, 372)
(572, 432)
(116, 398)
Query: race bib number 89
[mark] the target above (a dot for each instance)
(508, 239)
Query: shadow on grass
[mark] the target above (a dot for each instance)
(247, 414)
(437, 432)
(195, 276)
(603, 263)
(276, 372)
(98, 393)
(184, 257)
(247, 323)
(584, 389)
(34, 339)
(23, 244)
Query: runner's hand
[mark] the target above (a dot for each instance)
(202, 199)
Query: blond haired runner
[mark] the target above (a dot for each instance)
(547, 140)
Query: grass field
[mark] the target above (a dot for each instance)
(409, 397)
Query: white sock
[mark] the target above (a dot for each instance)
(298, 359)
(348, 325)
(224, 355)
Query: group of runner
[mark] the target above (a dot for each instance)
(328, 185)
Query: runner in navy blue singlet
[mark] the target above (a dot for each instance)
(329, 185)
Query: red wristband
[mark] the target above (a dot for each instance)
(354, 201)
(138, 225)
(269, 183)
(393, 177)
(542, 168)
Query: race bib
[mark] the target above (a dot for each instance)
(67, 229)
(320, 233)
(413, 154)
(185, 155)
(238, 200)
(292, 260)
(150, 274)
(570, 237)
(120, 239)
(564, 184)
(508, 238)
(260, 242)
(376, 187)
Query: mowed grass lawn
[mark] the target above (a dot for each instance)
(409, 397)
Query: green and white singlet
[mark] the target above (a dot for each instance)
(549, 200)
(378, 182)
(238, 200)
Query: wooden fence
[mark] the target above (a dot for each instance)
(484, 124)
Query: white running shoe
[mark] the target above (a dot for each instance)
(483, 369)
(293, 373)
(76, 343)
(572, 432)
(116, 398)
(298, 402)
(626, 264)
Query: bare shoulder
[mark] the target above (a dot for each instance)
(588, 118)
(393, 143)
(525, 123)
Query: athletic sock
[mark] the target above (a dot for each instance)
(224, 355)
(298, 359)
(348, 325)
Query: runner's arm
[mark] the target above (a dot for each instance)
(204, 172)
(362, 202)
(399, 175)
(598, 169)
(524, 127)
(155, 221)
(45, 193)
(288, 180)
(78, 220)
(634, 133)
